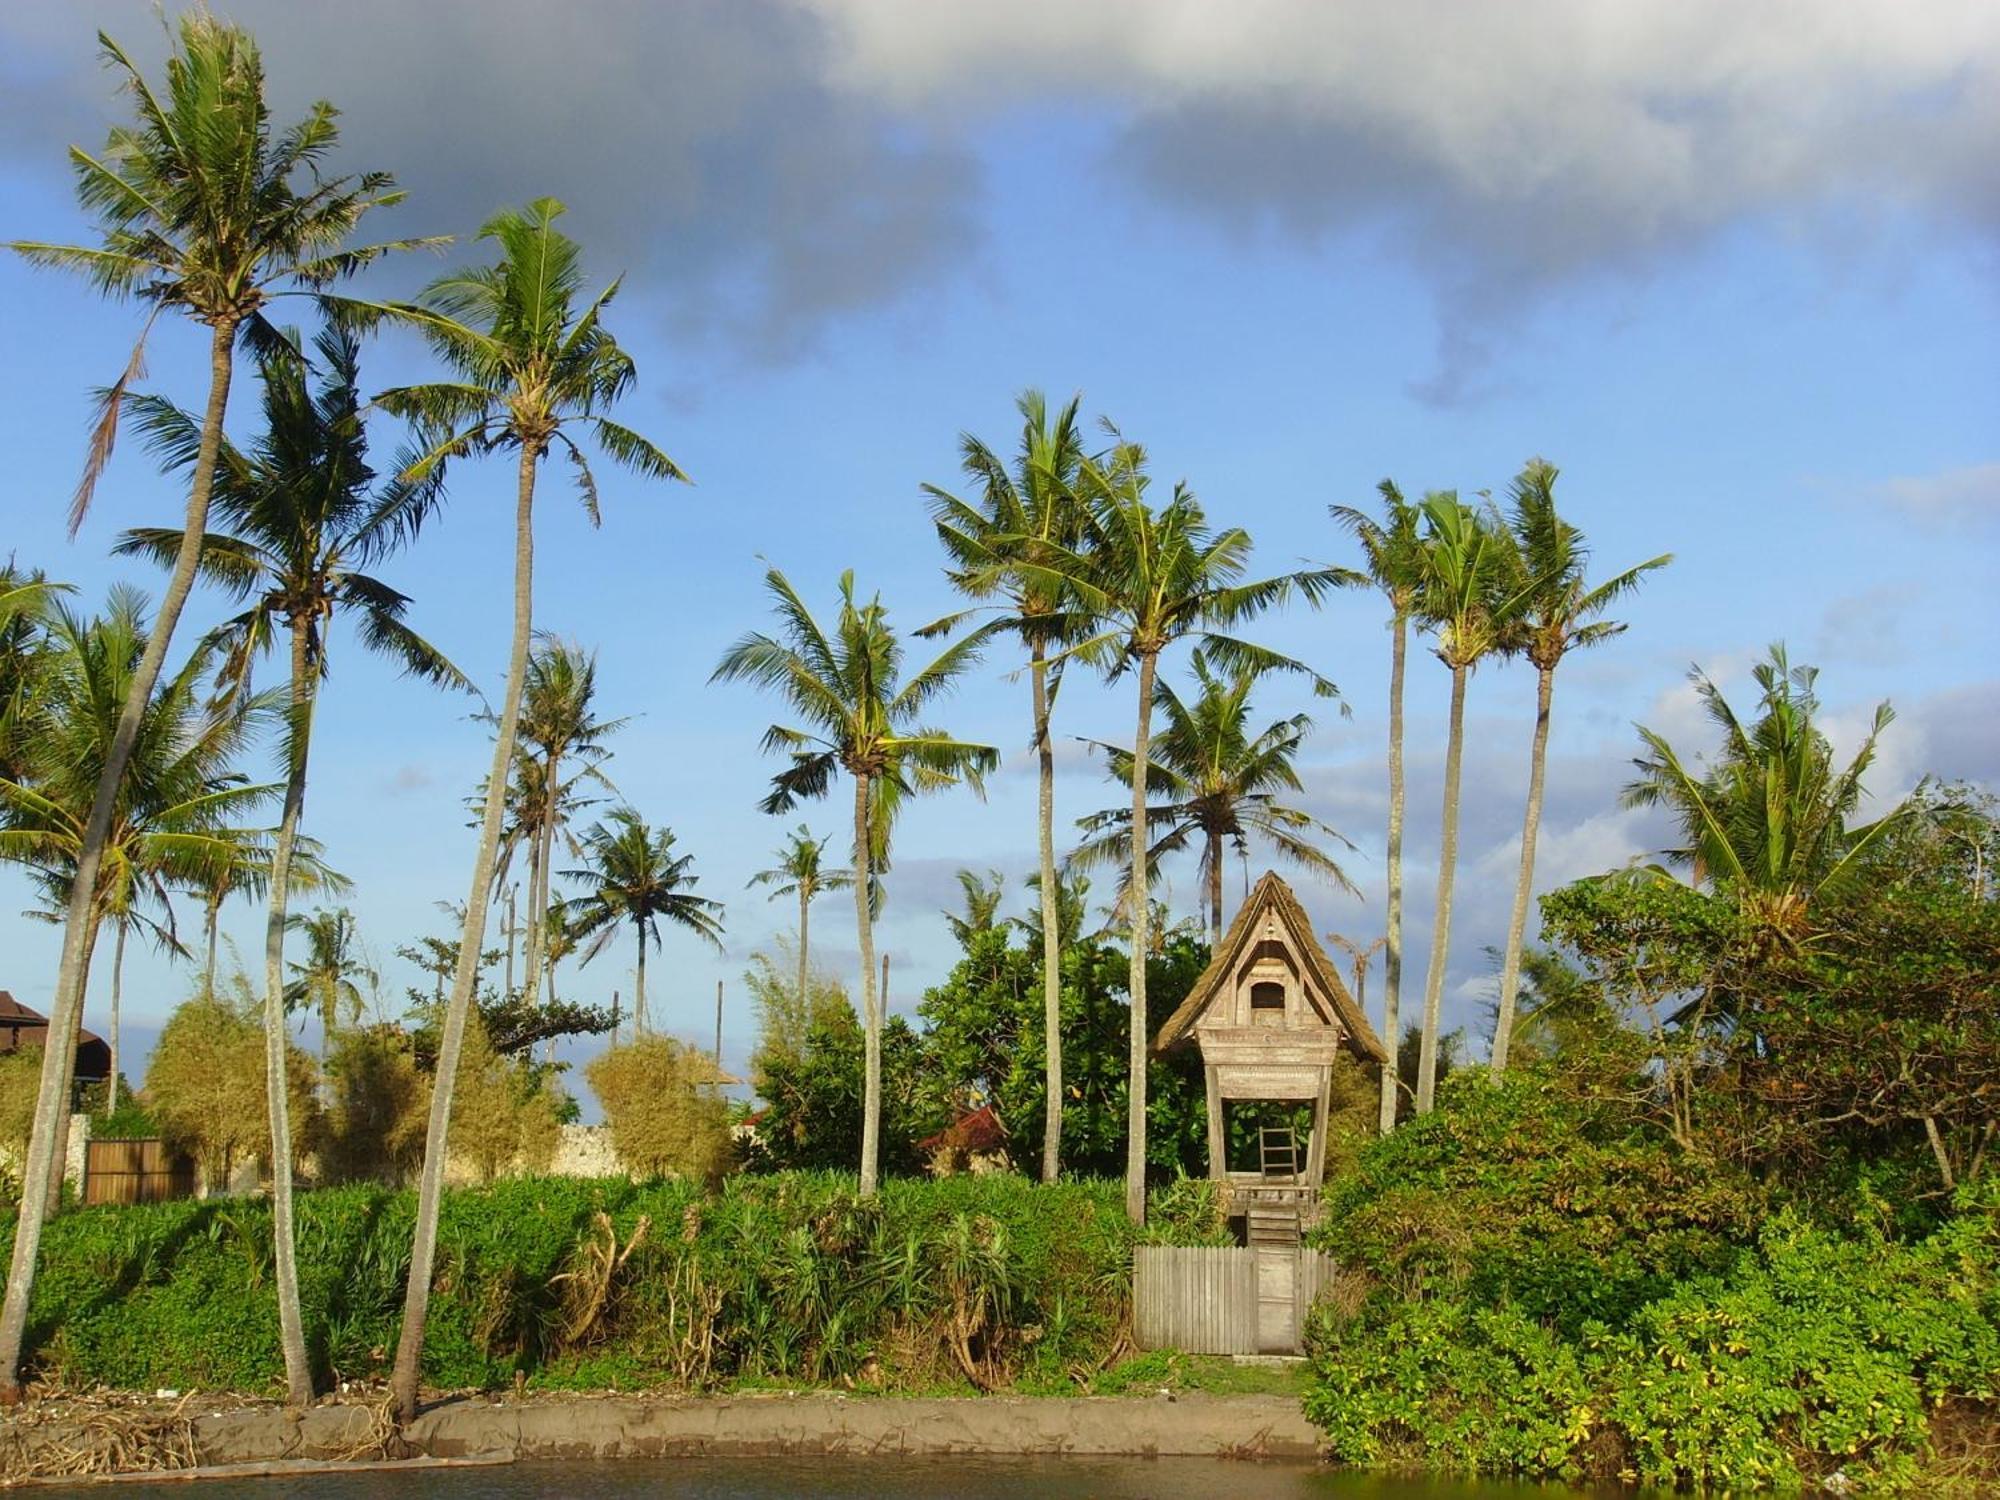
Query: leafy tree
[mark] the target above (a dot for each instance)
(860, 717)
(637, 879)
(1029, 513)
(24, 646)
(1559, 613)
(816, 1097)
(1469, 600)
(801, 871)
(301, 518)
(380, 1095)
(1393, 551)
(203, 209)
(1151, 578)
(666, 1113)
(531, 366)
(205, 1083)
(504, 1115)
(1217, 784)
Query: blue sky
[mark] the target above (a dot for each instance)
(1734, 274)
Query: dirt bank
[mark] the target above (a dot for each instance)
(73, 1440)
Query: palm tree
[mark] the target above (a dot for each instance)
(1155, 577)
(635, 877)
(178, 808)
(204, 209)
(858, 716)
(246, 871)
(1770, 825)
(559, 723)
(1468, 597)
(1212, 781)
(301, 517)
(1559, 614)
(327, 981)
(1393, 551)
(982, 898)
(801, 871)
(24, 650)
(531, 365)
(1019, 513)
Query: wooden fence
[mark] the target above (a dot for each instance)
(1225, 1300)
(135, 1171)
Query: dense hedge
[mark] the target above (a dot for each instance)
(967, 1281)
(1541, 1282)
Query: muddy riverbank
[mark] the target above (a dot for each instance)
(85, 1439)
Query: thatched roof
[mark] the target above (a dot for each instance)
(1271, 894)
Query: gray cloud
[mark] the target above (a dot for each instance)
(699, 144)
(1504, 151)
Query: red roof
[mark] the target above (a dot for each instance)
(975, 1133)
(21, 1024)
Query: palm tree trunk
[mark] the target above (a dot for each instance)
(1392, 947)
(1427, 1054)
(67, 1047)
(277, 1080)
(639, 1020)
(1517, 926)
(805, 974)
(66, 1012)
(117, 997)
(531, 984)
(214, 920)
(1135, 1088)
(1052, 1110)
(423, 1248)
(1214, 891)
(871, 1014)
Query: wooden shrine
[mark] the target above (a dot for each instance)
(1270, 1016)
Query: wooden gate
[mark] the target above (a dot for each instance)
(135, 1171)
(1226, 1300)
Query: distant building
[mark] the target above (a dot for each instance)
(975, 1142)
(25, 1030)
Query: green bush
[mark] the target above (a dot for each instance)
(788, 1279)
(1541, 1283)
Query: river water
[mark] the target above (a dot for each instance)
(852, 1479)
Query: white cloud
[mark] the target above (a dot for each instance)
(1951, 497)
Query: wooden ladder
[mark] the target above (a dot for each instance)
(1278, 1151)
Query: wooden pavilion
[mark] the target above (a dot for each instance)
(1271, 1017)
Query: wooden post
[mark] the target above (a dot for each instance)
(1218, 1142)
(883, 1009)
(718, 1026)
(614, 1018)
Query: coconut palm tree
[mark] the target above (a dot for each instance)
(534, 363)
(24, 648)
(981, 898)
(180, 807)
(1018, 513)
(1153, 578)
(246, 871)
(301, 517)
(1770, 825)
(1560, 613)
(329, 980)
(1468, 600)
(1393, 553)
(559, 723)
(204, 209)
(857, 715)
(801, 871)
(1214, 784)
(635, 877)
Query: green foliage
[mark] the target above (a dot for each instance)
(667, 1116)
(788, 1279)
(504, 1114)
(205, 1082)
(381, 1104)
(1541, 1281)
